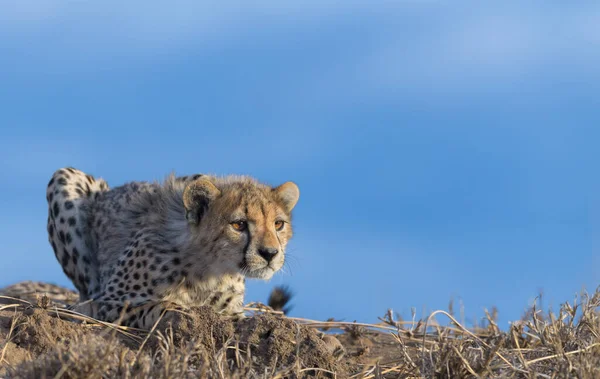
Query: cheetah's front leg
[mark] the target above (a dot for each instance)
(228, 297)
(142, 316)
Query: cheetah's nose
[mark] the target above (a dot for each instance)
(268, 253)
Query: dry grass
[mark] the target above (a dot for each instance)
(541, 345)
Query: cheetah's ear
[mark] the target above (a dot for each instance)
(196, 198)
(288, 194)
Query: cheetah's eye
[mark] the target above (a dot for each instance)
(240, 226)
(279, 225)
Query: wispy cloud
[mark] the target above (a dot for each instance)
(485, 48)
(139, 25)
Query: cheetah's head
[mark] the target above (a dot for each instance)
(243, 226)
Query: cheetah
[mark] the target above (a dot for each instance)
(138, 250)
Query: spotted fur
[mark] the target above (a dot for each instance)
(33, 292)
(141, 248)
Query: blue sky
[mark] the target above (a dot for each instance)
(442, 151)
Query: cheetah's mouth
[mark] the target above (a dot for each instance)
(261, 273)
(264, 272)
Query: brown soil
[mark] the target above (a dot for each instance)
(200, 326)
(278, 340)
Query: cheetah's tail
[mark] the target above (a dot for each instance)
(33, 291)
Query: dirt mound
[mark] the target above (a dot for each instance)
(270, 340)
(85, 356)
(39, 343)
(42, 343)
(38, 332)
(201, 327)
(277, 340)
